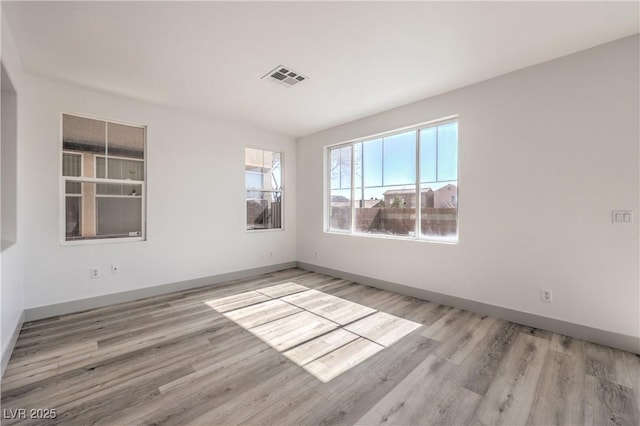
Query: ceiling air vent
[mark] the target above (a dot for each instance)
(284, 76)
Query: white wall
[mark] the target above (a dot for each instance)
(195, 200)
(545, 154)
(12, 254)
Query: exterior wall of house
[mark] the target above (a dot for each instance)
(445, 197)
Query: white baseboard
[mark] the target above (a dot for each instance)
(603, 337)
(8, 350)
(47, 311)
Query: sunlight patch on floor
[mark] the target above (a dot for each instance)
(324, 334)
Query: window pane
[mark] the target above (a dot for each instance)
(73, 217)
(71, 164)
(340, 214)
(124, 169)
(263, 169)
(125, 141)
(253, 179)
(428, 144)
(387, 210)
(340, 171)
(118, 216)
(334, 168)
(439, 216)
(119, 189)
(448, 152)
(73, 187)
(357, 164)
(104, 211)
(263, 180)
(264, 210)
(345, 167)
(372, 162)
(276, 170)
(399, 159)
(101, 167)
(86, 137)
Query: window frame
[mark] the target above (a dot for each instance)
(281, 191)
(64, 186)
(63, 179)
(326, 224)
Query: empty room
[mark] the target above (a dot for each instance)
(320, 213)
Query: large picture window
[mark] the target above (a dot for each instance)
(103, 176)
(402, 184)
(263, 183)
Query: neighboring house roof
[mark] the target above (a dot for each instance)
(339, 198)
(405, 191)
(372, 203)
(447, 187)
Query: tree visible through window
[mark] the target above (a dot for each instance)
(263, 183)
(104, 180)
(401, 184)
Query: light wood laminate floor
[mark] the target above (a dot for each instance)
(209, 357)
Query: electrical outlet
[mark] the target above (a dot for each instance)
(115, 268)
(546, 295)
(94, 272)
(271, 254)
(315, 255)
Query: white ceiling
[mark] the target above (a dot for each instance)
(361, 57)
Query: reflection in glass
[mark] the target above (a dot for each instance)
(118, 216)
(125, 141)
(264, 210)
(96, 150)
(73, 217)
(340, 210)
(439, 217)
(263, 181)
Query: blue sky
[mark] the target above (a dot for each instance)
(391, 161)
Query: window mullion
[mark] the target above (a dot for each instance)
(353, 188)
(418, 188)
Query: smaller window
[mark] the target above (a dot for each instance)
(264, 189)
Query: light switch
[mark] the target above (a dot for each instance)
(622, 217)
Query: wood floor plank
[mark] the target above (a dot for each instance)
(342, 359)
(382, 328)
(237, 301)
(280, 290)
(509, 399)
(560, 391)
(461, 342)
(600, 362)
(280, 387)
(409, 401)
(328, 306)
(293, 330)
(262, 313)
(478, 370)
(609, 403)
(314, 349)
